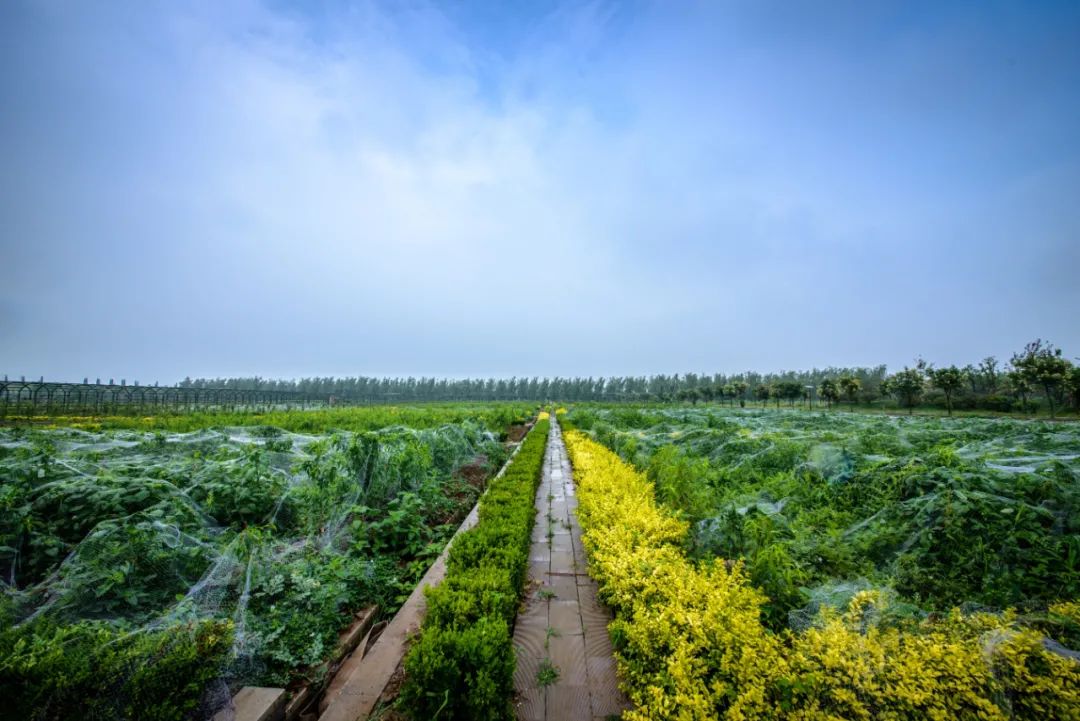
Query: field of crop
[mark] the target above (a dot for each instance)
(150, 565)
(759, 563)
(835, 565)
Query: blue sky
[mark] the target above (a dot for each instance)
(291, 188)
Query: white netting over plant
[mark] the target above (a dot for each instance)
(205, 560)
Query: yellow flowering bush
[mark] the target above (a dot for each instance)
(691, 645)
(689, 641)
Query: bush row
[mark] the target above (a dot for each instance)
(462, 664)
(691, 644)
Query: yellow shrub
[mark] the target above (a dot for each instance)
(689, 642)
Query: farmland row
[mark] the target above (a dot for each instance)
(462, 664)
(149, 574)
(793, 567)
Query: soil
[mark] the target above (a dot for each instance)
(385, 710)
(475, 473)
(515, 433)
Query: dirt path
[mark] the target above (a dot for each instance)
(563, 629)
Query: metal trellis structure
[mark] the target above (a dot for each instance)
(28, 398)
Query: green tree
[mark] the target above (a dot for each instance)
(907, 386)
(849, 386)
(729, 392)
(830, 391)
(948, 380)
(740, 391)
(989, 369)
(708, 392)
(1072, 384)
(972, 376)
(1020, 386)
(762, 393)
(791, 391)
(1042, 365)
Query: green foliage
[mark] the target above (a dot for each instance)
(496, 417)
(547, 673)
(95, 671)
(949, 380)
(1042, 365)
(850, 387)
(471, 594)
(677, 478)
(461, 672)
(829, 390)
(907, 386)
(463, 663)
(106, 533)
(298, 603)
(242, 493)
(946, 513)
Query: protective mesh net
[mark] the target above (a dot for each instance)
(927, 514)
(211, 559)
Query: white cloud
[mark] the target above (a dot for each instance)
(275, 191)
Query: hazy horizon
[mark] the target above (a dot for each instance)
(545, 189)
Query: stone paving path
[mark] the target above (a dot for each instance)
(563, 626)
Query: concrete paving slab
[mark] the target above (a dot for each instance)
(565, 617)
(587, 685)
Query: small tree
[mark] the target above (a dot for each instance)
(849, 386)
(1020, 387)
(762, 393)
(989, 368)
(740, 391)
(1072, 384)
(971, 375)
(829, 390)
(948, 381)
(708, 393)
(729, 392)
(790, 391)
(907, 386)
(1042, 365)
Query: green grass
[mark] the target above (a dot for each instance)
(547, 674)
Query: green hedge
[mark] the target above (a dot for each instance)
(462, 665)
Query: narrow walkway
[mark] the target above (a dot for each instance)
(563, 629)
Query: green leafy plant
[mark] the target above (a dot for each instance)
(547, 674)
(462, 665)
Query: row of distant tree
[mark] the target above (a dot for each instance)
(1039, 374)
(1038, 371)
(614, 389)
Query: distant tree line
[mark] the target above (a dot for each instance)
(660, 388)
(1039, 375)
